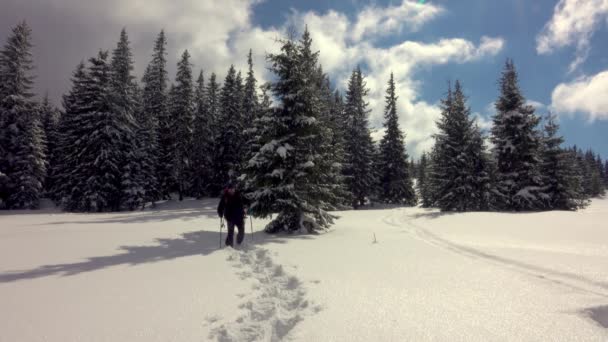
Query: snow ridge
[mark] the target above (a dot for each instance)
(274, 308)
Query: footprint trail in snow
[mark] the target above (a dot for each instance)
(274, 307)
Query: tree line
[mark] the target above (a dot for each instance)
(296, 146)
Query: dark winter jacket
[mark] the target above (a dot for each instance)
(232, 207)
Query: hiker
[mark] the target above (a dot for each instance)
(232, 208)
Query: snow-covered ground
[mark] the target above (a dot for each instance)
(158, 275)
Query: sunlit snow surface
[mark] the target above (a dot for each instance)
(158, 275)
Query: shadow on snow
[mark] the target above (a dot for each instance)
(188, 244)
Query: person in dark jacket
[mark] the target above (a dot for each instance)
(232, 208)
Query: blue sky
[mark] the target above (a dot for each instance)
(558, 47)
(518, 23)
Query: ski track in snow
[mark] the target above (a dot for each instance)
(399, 218)
(275, 306)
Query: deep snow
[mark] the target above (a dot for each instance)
(158, 275)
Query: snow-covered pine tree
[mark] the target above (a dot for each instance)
(182, 119)
(147, 134)
(331, 119)
(583, 171)
(606, 174)
(22, 158)
(423, 181)
(460, 175)
(50, 117)
(264, 109)
(359, 146)
(396, 185)
(230, 146)
(560, 177)
(290, 172)
(100, 133)
(160, 136)
(602, 171)
(124, 93)
(66, 184)
(517, 142)
(202, 153)
(481, 171)
(214, 114)
(595, 184)
(250, 99)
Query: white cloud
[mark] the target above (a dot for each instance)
(585, 95)
(344, 44)
(220, 33)
(572, 24)
(374, 21)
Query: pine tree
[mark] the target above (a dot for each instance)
(331, 118)
(229, 152)
(96, 155)
(202, 154)
(251, 110)
(182, 114)
(562, 185)
(359, 168)
(595, 186)
(395, 179)
(517, 143)
(65, 183)
(480, 177)
(124, 92)
(250, 96)
(216, 124)
(50, 117)
(290, 172)
(158, 122)
(22, 158)
(423, 181)
(460, 176)
(606, 174)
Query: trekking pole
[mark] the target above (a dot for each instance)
(251, 225)
(221, 227)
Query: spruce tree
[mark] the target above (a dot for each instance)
(606, 174)
(124, 93)
(160, 136)
(216, 124)
(359, 168)
(22, 158)
(153, 109)
(290, 172)
(595, 186)
(67, 157)
(202, 153)
(517, 143)
(562, 185)
(97, 154)
(182, 120)
(250, 96)
(250, 110)
(459, 177)
(423, 181)
(396, 185)
(229, 151)
(480, 177)
(50, 117)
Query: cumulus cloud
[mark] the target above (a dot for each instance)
(220, 33)
(572, 24)
(340, 54)
(585, 95)
(379, 21)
